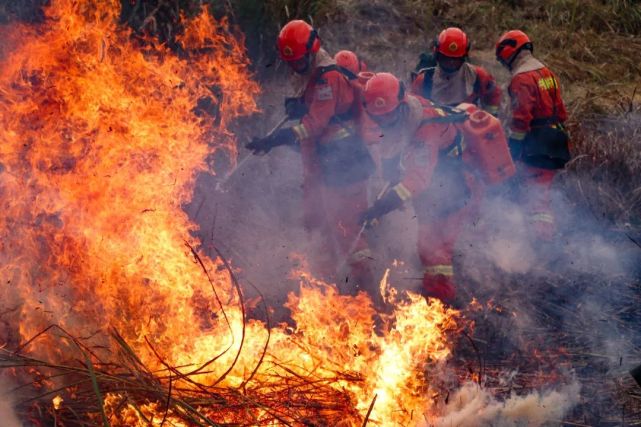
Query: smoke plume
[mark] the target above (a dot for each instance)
(474, 406)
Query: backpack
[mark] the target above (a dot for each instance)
(480, 143)
(345, 160)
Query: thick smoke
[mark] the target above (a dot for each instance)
(473, 406)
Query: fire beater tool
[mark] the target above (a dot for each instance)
(354, 243)
(220, 185)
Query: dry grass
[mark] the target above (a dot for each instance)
(117, 392)
(605, 175)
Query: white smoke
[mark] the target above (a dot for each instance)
(508, 246)
(474, 406)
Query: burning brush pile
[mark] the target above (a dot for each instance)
(110, 314)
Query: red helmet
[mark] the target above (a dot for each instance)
(452, 42)
(348, 60)
(297, 39)
(510, 44)
(382, 94)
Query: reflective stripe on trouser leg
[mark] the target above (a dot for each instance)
(440, 269)
(545, 217)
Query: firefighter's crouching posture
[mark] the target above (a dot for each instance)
(454, 80)
(538, 140)
(336, 163)
(424, 158)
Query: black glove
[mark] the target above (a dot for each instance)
(295, 108)
(260, 146)
(386, 204)
(516, 148)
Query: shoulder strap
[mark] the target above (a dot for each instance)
(338, 118)
(425, 60)
(477, 84)
(455, 149)
(428, 78)
(451, 116)
(334, 67)
(556, 95)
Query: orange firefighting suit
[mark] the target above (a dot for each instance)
(536, 106)
(336, 166)
(471, 84)
(421, 159)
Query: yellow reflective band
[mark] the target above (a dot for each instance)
(517, 135)
(442, 269)
(300, 131)
(492, 109)
(543, 217)
(341, 134)
(361, 255)
(440, 112)
(547, 83)
(402, 191)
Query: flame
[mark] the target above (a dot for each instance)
(101, 140)
(101, 144)
(393, 366)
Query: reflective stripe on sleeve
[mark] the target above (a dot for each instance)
(517, 135)
(402, 191)
(300, 131)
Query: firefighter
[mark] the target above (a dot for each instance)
(336, 163)
(454, 80)
(422, 162)
(538, 141)
(350, 61)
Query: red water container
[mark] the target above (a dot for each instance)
(486, 149)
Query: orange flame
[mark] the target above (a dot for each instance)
(101, 142)
(100, 147)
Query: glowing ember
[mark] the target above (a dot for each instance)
(100, 147)
(57, 401)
